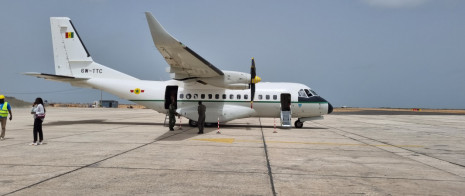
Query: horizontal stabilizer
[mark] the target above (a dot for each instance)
(59, 78)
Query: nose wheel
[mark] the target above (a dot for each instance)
(298, 124)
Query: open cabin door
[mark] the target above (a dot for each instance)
(286, 110)
(171, 93)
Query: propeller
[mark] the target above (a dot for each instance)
(253, 80)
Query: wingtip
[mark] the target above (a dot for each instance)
(148, 13)
(30, 73)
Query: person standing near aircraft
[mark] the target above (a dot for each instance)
(172, 113)
(5, 108)
(201, 122)
(39, 114)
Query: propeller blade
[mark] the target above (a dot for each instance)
(253, 73)
(252, 88)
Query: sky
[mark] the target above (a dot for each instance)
(354, 53)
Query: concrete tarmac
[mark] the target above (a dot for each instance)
(129, 152)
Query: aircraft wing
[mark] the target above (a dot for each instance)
(184, 62)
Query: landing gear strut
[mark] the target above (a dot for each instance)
(298, 124)
(193, 123)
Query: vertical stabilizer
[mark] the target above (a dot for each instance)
(71, 55)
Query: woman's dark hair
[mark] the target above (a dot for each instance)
(40, 101)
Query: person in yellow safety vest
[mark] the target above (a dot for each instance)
(5, 108)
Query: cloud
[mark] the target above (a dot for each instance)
(395, 3)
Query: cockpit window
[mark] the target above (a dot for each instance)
(302, 93)
(314, 93)
(310, 92)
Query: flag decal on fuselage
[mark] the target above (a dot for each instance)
(137, 91)
(69, 34)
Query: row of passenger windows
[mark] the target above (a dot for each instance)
(224, 96)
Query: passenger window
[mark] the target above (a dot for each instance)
(196, 96)
(202, 96)
(246, 96)
(188, 96)
(217, 96)
(275, 97)
(181, 96)
(238, 96)
(224, 96)
(231, 96)
(267, 97)
(260, 97)
(210, 96)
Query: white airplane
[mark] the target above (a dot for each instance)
(228, 95)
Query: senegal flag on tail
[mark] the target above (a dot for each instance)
(69, 34)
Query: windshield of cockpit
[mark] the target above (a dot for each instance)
(307, 93)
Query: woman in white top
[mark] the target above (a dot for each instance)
(39, 114)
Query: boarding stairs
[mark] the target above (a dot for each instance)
(286, 119)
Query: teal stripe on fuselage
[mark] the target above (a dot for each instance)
(216, 101)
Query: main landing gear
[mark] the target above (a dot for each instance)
(298, 124)
(193, 123)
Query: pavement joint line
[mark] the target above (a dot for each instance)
(431, 125)
(279, 173)
(187, 170)
(270, 173)
(94, 163)
(37, 165)
(370, 177)
(232, 140)
(406, 149)
(68, 142)
(400, 146)
(397, 127)
(242, 172)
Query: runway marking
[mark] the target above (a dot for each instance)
(232, 140)
(219, 140)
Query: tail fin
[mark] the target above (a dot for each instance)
(71, 55)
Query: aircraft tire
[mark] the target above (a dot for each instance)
(192, 123)
(298, 124)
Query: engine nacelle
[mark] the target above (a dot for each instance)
(230, 80)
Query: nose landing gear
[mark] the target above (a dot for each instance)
(193, 123)
(298, 124)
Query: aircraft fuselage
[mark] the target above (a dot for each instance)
(227, 104)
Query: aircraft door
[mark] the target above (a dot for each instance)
(171, 92)
(286, 110)
(285, 102)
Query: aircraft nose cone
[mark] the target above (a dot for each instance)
(330, 108)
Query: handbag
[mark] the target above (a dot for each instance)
(41, 116)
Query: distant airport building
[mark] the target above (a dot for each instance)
(109, 104)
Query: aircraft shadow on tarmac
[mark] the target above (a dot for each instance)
(178, 135)
(229, 126)
(96, 121)
(188, 132)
